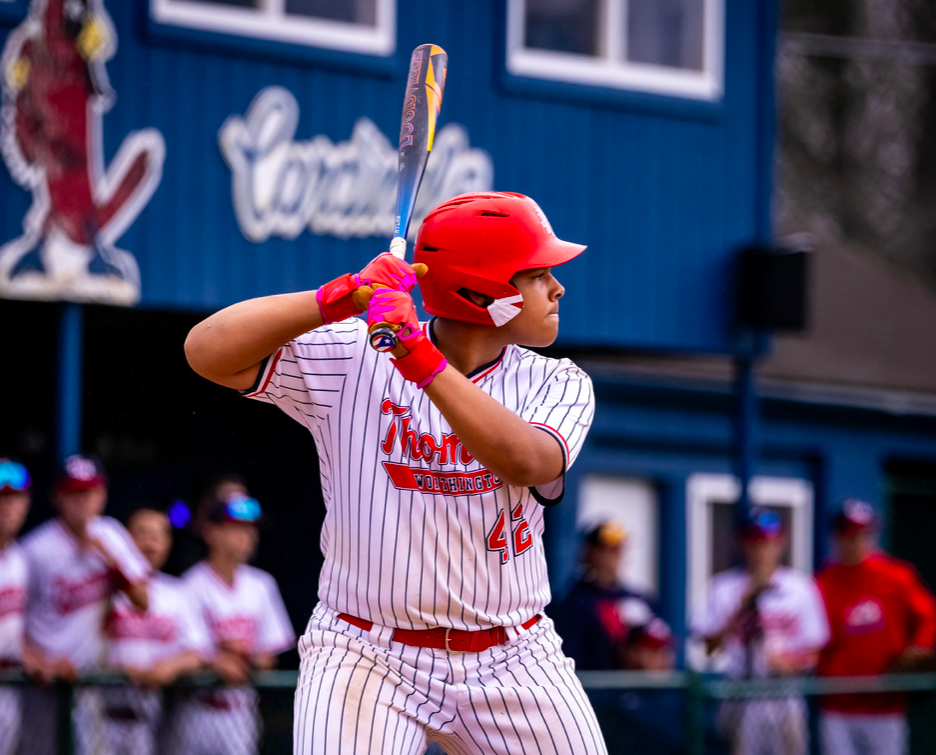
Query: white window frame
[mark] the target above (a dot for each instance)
(703, 490)
(611, 70)
(271, 22)
(603, 497)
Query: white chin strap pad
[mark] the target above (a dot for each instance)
(504, 310)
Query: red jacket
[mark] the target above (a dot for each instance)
(877, 610)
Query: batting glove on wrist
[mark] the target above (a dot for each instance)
(395, 309)
(348, 295)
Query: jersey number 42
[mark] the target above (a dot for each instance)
(497, 538)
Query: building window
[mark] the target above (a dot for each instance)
(710, 499)
(364, 26)
(633, 504)
(669, 47)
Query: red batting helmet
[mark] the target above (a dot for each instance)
(479, 242)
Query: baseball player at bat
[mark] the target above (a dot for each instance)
(436, 465)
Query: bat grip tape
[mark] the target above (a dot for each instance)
(398, 247)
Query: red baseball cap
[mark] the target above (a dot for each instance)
(855, 516)
(80, 473)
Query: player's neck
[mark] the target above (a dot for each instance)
(5, 541)
(467, 346)
(224, 567)
(762, 575)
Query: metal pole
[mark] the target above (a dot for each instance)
(695, 715)
(746, 427)
(65, 699)
(69, 389)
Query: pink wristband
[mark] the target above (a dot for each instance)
(442, 365)
(423, 362)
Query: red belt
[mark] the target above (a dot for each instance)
(442, 638)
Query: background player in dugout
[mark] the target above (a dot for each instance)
(76, 563)
(883, 620)
(15, 498)
(457, 664)
(153, 647)
(596, 617)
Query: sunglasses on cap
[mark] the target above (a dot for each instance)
(762, 525)
(13, 477)
(238, 508)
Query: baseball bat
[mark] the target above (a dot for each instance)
(424, 85)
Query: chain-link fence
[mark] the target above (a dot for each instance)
(857, 93)
(640, 714)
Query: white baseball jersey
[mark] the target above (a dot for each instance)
(170, 625)
(250, 611)
(792, 615)
(417, 533)
(69, 587)
(13, 577)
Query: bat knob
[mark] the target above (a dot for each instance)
(383, 339)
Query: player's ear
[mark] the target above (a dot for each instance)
(479, 300)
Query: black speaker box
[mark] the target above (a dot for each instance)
(771, 286)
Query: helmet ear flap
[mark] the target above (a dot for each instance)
(454, 280)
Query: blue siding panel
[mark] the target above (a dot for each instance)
(662, 198)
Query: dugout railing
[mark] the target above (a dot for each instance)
(678, 713)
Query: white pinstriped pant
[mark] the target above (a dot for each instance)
(360, 694)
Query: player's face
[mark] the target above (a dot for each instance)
(854, 547)
(538, 321)
(605, 560)
(763, 555)
(78, 508)
(13, 510)
(236, 541)
(152, 534)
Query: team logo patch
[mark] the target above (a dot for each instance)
(55, 93)
(441, 483)
(12, 601)
(426, 448)
(864, 616)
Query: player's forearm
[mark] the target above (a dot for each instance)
(501, 441)
(228, 347)
(170, 669)
(263, 661)
(138, 594)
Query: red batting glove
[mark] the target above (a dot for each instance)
(348, 295)
(423, 360)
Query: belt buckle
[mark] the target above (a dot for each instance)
(448, 647)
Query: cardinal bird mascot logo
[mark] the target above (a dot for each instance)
(55, 93)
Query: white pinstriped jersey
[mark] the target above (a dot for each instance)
(69, 587)
(250, 612)
(792, 616)
(416, 532)
(169, 626)
(12, 602)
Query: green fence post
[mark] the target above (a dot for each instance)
(66, 699)
(694, 715)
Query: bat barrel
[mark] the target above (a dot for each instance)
(421, 105)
